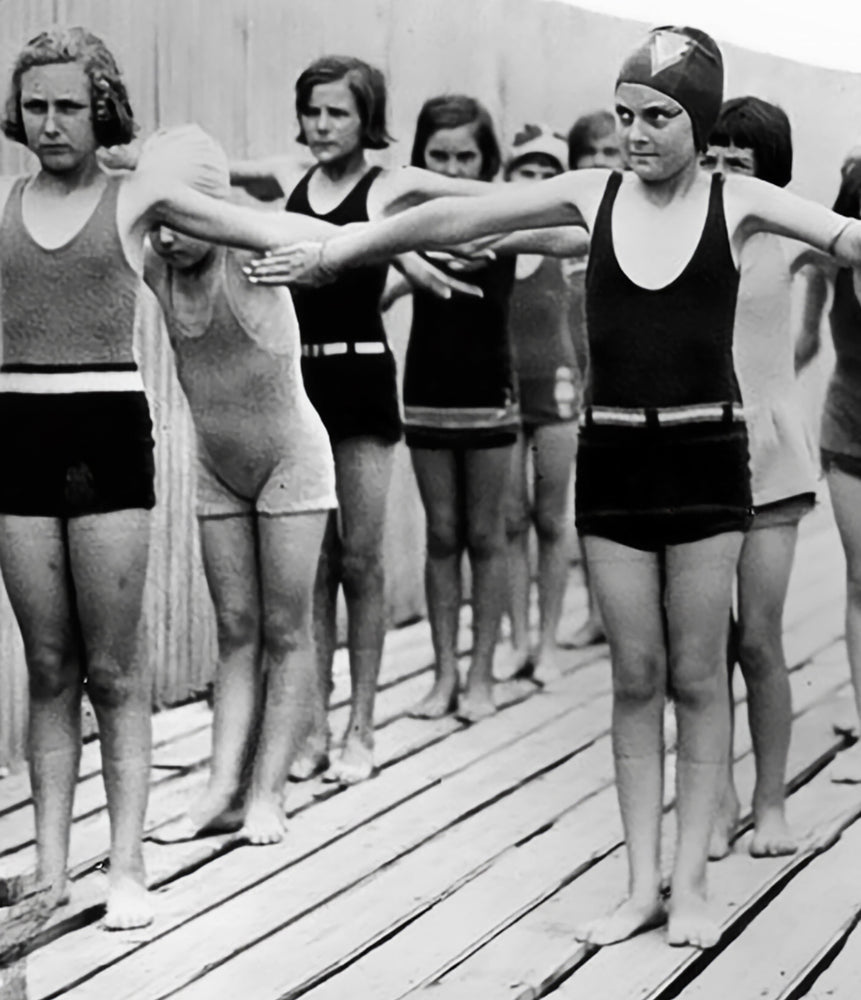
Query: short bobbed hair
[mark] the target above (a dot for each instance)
(751, 123)
(848, 200)
(452, 111)
(586, 128)
(113, 119)
(367, 85)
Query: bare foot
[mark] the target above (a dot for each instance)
(129, 904)
(53, 890)
(725, 825)
(772, 836)
(691, 921)
(476, 703)
(846, 724)
(355, 764)
(548, 665)
(846, 766)
(590, 633)
(313, 758)
(629, 918)
(264, 821)
(510, 662)
(439, 701)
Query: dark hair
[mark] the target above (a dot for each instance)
(585, 128)
(113, 120)
(367, 85)
(452, 111)
(848, 201)
(749, 123)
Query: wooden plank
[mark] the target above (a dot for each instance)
(539, 950)
(575, 700)
(840, 980)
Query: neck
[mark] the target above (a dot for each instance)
(665, 191)
(84, 175)
(353, 163)
(202, 269)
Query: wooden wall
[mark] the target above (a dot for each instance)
(230, 65)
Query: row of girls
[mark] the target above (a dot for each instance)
(663, 488)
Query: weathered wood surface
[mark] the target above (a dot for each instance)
(463, 867)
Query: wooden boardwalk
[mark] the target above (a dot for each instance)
(460, 871)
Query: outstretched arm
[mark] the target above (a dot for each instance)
(266, 179)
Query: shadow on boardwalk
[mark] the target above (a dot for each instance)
(462, 868)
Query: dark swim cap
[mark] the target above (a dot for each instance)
(685, 64)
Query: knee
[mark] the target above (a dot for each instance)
(361, 568)
(694, 687)
(282, 635)
(109, 684)
(551, 525)
(517, 519)
(760, 648)
(639, 683)
(237, 627)
(485, 540)
(442, 540)
(52, 671)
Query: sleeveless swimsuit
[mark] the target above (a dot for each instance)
(781, 453)
(548, 375)
(840, 435)
(459, 385)
(663, 456)
(78, 436)
(261, 446)
(348, 367)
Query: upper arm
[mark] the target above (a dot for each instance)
(410, 186)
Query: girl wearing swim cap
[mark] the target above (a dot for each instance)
(663, 489)
(78, 475)
(753, 137)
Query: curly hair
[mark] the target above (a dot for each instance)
(113, 119)
(367, 85)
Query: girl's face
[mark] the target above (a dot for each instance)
(331, 122)
(655, 132)
(181, 252)
(533, 170)
(57, 115)
(454, 152)
(729, 160)
(602, 149)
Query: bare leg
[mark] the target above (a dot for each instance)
(441, 489)
(698, 599)
(108, 558)
(289, 549)
(729, 806)
(33, 558)
(554, 451)
(628, 586)
(845, 493)
(229, 560)
(314, 756)
(486, 475)
(763, 580)
(363, 471)
(592, 630)
(515, 658)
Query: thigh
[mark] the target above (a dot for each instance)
(363, 472)
(517, 494)
(627, 584)
(487, 473)
(437, 472)
(554, 448)
(108, 560)
(845, 491)
(764, 569)
(34, 564)
(227, 547)
(289, 552)
(698, 598)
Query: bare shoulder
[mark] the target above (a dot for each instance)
(584, 189)
(6, 185)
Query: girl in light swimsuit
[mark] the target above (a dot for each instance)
(663, 489)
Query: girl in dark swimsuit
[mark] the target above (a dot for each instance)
(662, 543)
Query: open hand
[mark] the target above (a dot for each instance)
(298, 264)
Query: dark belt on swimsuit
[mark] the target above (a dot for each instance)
(661, 416)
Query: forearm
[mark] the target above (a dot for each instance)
(847, 246)
(555, 241)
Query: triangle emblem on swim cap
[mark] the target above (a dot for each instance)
(667, 49)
